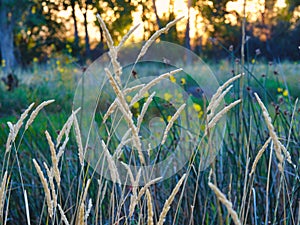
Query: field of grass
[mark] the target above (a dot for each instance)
(254, 178)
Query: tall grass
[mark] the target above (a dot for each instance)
(254, 179)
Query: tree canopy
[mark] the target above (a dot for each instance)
(37, 29)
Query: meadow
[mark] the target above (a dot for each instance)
(254, 178)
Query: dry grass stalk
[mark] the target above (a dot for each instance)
(79, 141)
(216, 103)
(88, 211)
(114, 105)
(259, 155)
(36, 111)
(220, 114)
(80, 216)
(18, 125)
(27, 207)
(278, 147)
(126, 91)
(14, 129)
(286, 153)
(130, 174)
(54, 159)
(2, 195)
(144, 110)
(169, 201)
(111, 164)
(52, 186)
(134, 184)
(225, 202)
(110, 111)
(63, 215)
(153, 82)
(122, 143)
(66, 128)
(87, 185)
(117, 90)
(149, 208)
(126, 36)
(46, 188)
(62, 149)
(135, 136)
(171, 122)
(107, 35)
(113, 51)
(220, 90)
(146, 186)
(155, 36)
(10, 137)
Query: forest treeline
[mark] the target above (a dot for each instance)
(34, 30)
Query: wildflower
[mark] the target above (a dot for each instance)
(128, 98)
(167, 96)
(169, 118)
(3, 63)
(172, 79)
(183, 81)
(285, 93)
(146, 95)
(136, 105)
(279, 90)
(253, 61)
(58, 62)
(197, 107)
(231, 48)
(35, 59)
(200, 113)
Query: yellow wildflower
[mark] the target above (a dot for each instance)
(146, 95)
(169, 118)
(197, 107)
(183, 81)
(279, 90)
(285, 93)
(200, 114)
(136, 105)
(172, 79)
(167, 96)
(3, 63)
(35, 59)
(128, 98)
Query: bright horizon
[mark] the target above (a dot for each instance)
(197, 26)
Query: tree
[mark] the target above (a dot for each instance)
(9, 15)
(72, 3)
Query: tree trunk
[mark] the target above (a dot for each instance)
(187, 38)
(7, 38)
(156, 15)
(76, 36)
(87, 39)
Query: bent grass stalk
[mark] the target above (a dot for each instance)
(169, 201)
(46, 188)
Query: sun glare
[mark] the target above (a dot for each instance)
(254, 8)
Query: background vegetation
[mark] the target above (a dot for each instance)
(37, 46)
